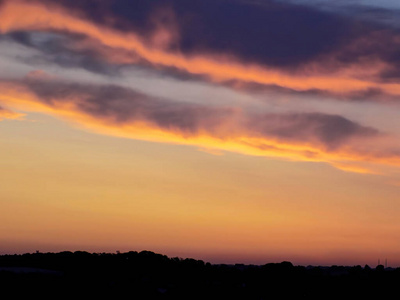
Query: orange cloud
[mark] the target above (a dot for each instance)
(19, 15)
(145, 119)
(307, 143)
(353, 168)
(8, 114)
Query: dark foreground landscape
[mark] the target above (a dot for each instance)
(147, 275)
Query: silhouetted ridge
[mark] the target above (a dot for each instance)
(148, 275)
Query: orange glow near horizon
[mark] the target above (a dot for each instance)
(114, 200)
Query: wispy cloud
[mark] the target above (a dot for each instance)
(8, 114)
(343, 59)
(352, 62)
(119, 111)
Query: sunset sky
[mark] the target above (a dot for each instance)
(233, 131)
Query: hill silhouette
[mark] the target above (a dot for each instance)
(148, 275)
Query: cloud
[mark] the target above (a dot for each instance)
(332, 131)
(265, 53)
(350, 57)
(264, 32)
(6, 114)
(121, 105)
(124, 112)
(118, 105)
(70, 52)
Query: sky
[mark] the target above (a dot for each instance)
(230, 131)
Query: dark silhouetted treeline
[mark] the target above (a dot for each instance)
(147, 275)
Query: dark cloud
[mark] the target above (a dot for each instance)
(271, 33)
(330, 130)
(265, 32)
(372, 14)
(123, 106)
(126, 15)
(375, 95)
(61, 50)
(375, 14)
